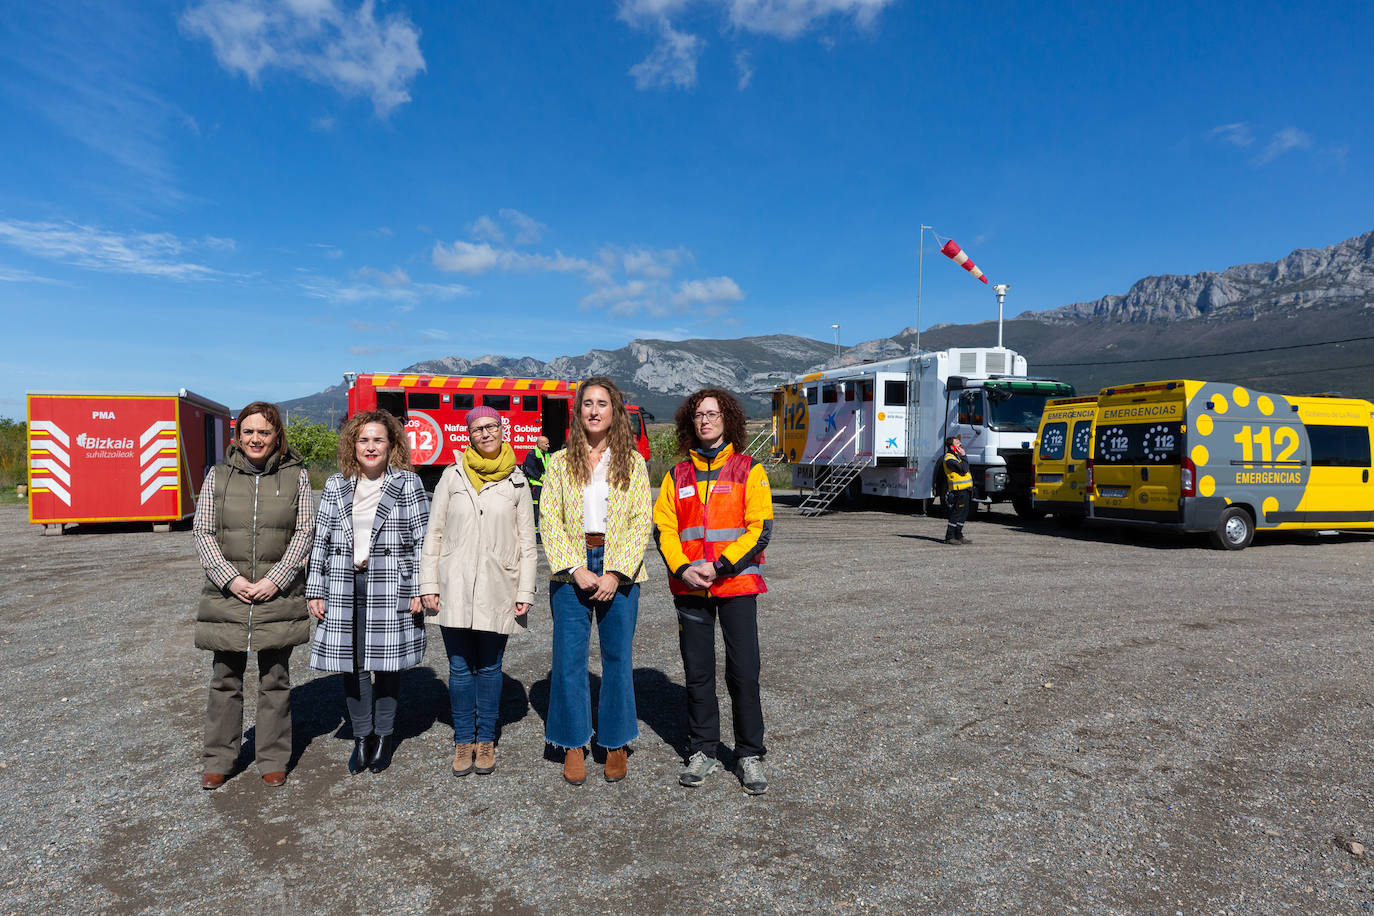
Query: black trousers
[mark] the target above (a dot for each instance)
(958, 502)
(739, 625)
(371, 698)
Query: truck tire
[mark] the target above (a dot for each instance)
(1025, 509)
(1235, 529)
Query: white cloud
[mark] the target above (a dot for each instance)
(673, 61)
(393, 279)
(1237, 134)
(616, 294)
(329, 42)
(434, 334)
(150, 254)
(323, 124)
(745, 68)
(710, 290)
(15, 275)
(485, 229)
(368, 284)
(1283, 141)
(470, 258)
(528, 230)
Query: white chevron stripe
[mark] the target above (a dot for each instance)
(159, 483)
(52, 429)
(168, 445)
(52, 467)
(158, 427)
(52, 448)
(156, 466)
(55, 488)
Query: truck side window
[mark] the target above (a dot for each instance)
(970, 409)
(530, 402)
(849, 390)
(828, 394)
(424, 400)
(462, 402)
(894, 394)
(496, 401)
(1339, 446)
(811, 394)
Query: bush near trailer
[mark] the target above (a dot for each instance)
(318, 444)
(13, 453)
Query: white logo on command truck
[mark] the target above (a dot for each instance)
(53, 471)
(158, 463)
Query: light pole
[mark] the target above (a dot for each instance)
(837, 343)
(920, 281)
(1001, 290)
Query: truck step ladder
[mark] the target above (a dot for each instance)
(841, 475)
(761, 446)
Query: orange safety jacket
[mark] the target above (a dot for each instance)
(707, 528)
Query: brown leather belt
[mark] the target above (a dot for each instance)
(596, 540)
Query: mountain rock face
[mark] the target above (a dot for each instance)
(1339, 275)
(1265, 325)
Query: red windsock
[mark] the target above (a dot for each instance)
(954, 252)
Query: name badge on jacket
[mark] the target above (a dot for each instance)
(686, 492)
(719, 487)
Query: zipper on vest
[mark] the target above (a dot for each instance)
(253, 557)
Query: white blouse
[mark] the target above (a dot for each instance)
(596, 497)
(367, 495)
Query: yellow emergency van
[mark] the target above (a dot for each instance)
(1062, 448)
(1221, 458)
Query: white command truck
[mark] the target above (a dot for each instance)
(889, 421)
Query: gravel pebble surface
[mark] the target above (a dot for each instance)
(1043, 721)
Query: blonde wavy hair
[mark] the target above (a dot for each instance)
(618, 436)
(399, 456)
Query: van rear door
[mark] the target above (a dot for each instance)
(1137, 454)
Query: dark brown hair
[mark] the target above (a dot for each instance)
(618, 437)
(399, 456)
(272, 414)
(731, 414)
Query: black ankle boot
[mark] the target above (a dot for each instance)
(381, 756)
(363, 750)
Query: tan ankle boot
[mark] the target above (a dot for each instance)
(462, 760)
(616, 765)
(486, 757)
(574, 766)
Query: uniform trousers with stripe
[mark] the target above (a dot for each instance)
(739, 626)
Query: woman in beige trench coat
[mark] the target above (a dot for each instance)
(477, 571)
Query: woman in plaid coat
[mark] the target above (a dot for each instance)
(363, 579)
(594, 521)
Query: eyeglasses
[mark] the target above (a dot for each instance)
(709, 416)
(491, 429)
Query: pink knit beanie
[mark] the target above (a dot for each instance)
(478, 413)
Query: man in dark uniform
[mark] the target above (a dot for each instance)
(958, 489)
(533, 467)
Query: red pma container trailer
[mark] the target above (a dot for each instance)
(120, 457)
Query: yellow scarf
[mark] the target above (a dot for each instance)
(482, 471)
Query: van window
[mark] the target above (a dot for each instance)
(868, 392)
(1082, 439)
(849, 390)
(1052, 441)
(424, 400)
(1339, 446)
(462, 402)
(828, 394)
(530, 402)
(810, 394)
(496, 401)
(1139, 443)
(894, 394)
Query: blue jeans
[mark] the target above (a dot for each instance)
(474, 682)
(570, 701)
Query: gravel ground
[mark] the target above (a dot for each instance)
(1040, 722)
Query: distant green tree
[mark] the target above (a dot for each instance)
(318, 444)
(14, 446)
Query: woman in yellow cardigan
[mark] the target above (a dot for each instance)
(594, 521)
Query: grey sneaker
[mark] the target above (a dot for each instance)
(751, 775)
(699, 766)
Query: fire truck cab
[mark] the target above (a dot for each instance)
(432, 408)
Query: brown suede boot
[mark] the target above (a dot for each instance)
(486, 757)
(574, 766)
(462, 760)
(616, 765)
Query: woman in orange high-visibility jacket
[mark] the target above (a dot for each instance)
(713, 518)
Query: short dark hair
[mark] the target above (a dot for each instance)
(272, 414)
(731, 414)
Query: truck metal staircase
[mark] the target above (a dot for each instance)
(839, 476)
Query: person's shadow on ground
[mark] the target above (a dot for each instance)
(660, 704)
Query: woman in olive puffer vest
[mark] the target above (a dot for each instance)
(253, 530)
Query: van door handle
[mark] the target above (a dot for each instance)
(1144, 473)
(1366, 475)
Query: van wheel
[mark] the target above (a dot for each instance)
(1235, 530)
(1025, 509)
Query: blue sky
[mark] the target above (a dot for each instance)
(249, 198)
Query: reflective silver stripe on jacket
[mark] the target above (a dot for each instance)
(724, 534)
(691, 534)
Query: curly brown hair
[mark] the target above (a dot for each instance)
(731, 414)
(618, 436)
(272, 414)
(399, 457)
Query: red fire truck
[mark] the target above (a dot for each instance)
(432, 408)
